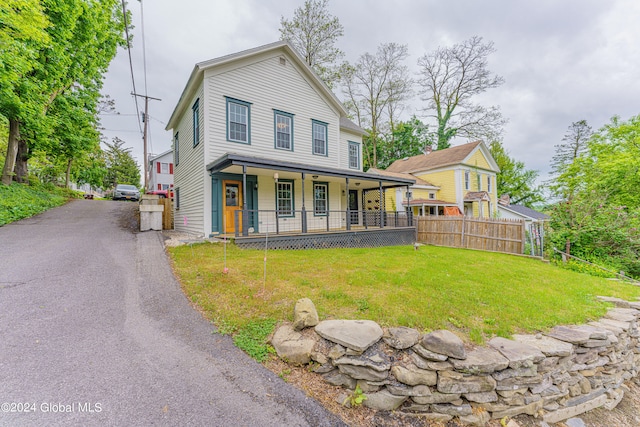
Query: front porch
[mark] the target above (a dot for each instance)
(301, 230)
(257, 199)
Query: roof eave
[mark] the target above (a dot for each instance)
(231, 159)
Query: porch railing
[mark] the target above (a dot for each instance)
(250, 222)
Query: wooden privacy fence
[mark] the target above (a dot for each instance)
(167, 214)
(497, 235)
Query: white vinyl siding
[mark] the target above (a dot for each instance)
(285, 198)
(190, 174)
(354, 155)
(267, 202)
(269, 86)
(283, 130)
(320, 131)
(238, 121)
(346, 139)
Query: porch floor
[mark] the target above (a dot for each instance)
(357, 237)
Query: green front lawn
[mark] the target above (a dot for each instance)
(477, 294)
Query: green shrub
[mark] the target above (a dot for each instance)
(18, 201)
(585, 268)
(252, 338)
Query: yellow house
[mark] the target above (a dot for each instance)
(454, 181)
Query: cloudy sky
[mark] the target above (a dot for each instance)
(562, 61)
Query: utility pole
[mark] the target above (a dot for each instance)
(145, 120)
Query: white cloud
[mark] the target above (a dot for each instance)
(562, 61)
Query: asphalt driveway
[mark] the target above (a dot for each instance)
(94, 330)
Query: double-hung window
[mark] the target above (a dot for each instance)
(196, 122)
(283, 130)
(354, 155)
(319, 138)
(489, 183)
(284, 198)
(320, 198)
(238, 121)
(467, 180)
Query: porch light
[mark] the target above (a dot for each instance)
(275, 177)
(314, 176)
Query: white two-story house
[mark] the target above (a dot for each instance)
(161, 171)
(262, 146)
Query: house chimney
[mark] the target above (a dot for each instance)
(427, 150)
(504, 200)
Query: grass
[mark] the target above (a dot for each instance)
(18, 201)
(477, 294)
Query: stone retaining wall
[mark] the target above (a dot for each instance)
(556, 375)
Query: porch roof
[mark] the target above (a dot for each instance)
(427, 202)
(229, 160)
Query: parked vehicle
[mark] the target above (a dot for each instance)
(126, 192)
(162, 193)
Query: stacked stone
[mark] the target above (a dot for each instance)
(559, 374)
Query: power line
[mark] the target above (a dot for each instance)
(144, 48)
(133, 80)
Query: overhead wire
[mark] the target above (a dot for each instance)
(133, 80)
(144, 70)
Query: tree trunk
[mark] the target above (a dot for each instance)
(12, 151)
(567, 247)
(21, 167)
(68, 173)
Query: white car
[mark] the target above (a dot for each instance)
(126, 192)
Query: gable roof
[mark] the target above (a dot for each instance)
(347, 124)
(197, 76)
(525, 211)
(440, 158)
(157, 156)
(418, 181)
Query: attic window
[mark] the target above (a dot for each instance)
(283, 61)
(432, 196)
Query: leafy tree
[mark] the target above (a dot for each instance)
(375, 88)
(514, 178)
(599, 217)
(81, 40)
(408, 138)
(449, 79)
(574, 144)
(121, 167)
(22, 36)
(90, 169)
(313, 32)
(75, 132)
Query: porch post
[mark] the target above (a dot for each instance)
(409, 210)
(245, 214)
(348, 206)
(381, 205)
(304, 209)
